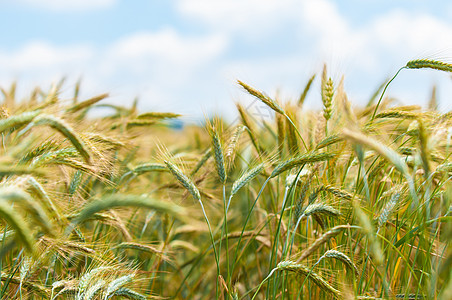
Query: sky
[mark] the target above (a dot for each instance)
(185, 55)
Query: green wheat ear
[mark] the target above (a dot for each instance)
(217, 149)
(118, 200)
(296, 161)
(429, 64)
(17, 120)
(66, 130)
(183, 180)
(23, 233)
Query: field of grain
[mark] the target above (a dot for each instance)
(343, 203)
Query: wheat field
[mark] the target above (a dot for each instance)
(343, 203)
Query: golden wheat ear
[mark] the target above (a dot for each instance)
(261, 96)
(86, 103)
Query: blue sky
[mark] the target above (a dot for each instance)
(185, 55)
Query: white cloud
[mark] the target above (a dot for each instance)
(255, 17)
(163, 67)
(67, 5)
(168, 45)
(404, 32)
(176, 71)
(321, 29)
(321, 33)
(41, 56)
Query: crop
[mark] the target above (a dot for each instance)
(345, 203)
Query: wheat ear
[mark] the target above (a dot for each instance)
(291, 163)
(246, 177)
(34, 288)
(218, 153)
(231, 149)
(130, 294)
(85, 104)
(264, 98)
(327, 91)
(118, 200)
(322, 240)
(23, 233)
(320, 209)
(17, 195)
(190, 186)
(37, 188)
(139, 247)
(158, 115)
(341, 257)
(207, 154)
(183, 180)
(388, 209)
(61, 126)
(87, 278)
(94, 289)
(302, 270)
(429, 64)
(117, 284)
(18, 120)
(247, 122)
(303, 95)
(388, 153)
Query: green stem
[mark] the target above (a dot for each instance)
(225, 226)
(384, 90)
(213, 243)
(296, 129)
